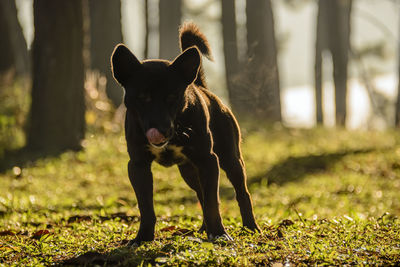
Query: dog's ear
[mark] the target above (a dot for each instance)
(187, 64)
(123, 63)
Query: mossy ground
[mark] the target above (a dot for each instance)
(321, 196)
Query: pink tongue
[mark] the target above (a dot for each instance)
(154, 136)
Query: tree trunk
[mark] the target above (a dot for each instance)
(7, 61)
(57, 120)
(105, 33)
(16, 39)
(262, 97)
(231, 52)
(146, 29)
(170, 19)
(320, 46)
(333, 34)
(397, 118)
(339, 22)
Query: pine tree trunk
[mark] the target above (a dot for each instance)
(16, 37)
(146, 29)
(228, 20)
(57, 119)
(397, 117)
(7, 61)
(320, 46)
(339, 21)
(333, 34)
(170, 19)
(262, 90)
(105, 33)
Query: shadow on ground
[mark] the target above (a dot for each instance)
(118, 256)
(296, 168)
(25, 158)
(125, 255)
(121, 256)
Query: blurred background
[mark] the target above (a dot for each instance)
(299, 63)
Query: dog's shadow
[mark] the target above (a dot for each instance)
(294, 169)
(118, 256)
(122, 255)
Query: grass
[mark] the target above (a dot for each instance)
(321, 196)
(14, 105)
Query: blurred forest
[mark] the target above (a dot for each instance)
(57, 87)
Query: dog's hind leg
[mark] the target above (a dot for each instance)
(235, 171)
(206, 164)
(190, 175)
(227, 147)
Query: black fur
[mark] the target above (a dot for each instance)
(201, 133)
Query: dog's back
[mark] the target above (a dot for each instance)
(222, 121)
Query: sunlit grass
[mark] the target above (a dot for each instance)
(321, 196)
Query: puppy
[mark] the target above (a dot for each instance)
(173, 118)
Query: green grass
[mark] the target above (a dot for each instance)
(14, 105)
(321, 196)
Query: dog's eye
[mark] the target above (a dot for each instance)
(171, 98)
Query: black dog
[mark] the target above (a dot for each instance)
(173, 118)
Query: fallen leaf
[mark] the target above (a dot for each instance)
(6, 232)
(168, 228)
(286, 223)
(40, 233)
(78, 218)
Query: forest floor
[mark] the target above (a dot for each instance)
(321, 196)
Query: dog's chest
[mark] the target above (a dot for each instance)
(169, 155)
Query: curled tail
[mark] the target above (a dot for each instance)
(190, 35)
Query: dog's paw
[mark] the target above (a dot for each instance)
(134, 243)
(139, 241)
(257, 229)
(225, 237)
(202, 228)
(253, 227)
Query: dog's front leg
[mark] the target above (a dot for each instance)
(142, 182)
(208, 169)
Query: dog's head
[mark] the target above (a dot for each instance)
(155, 89)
